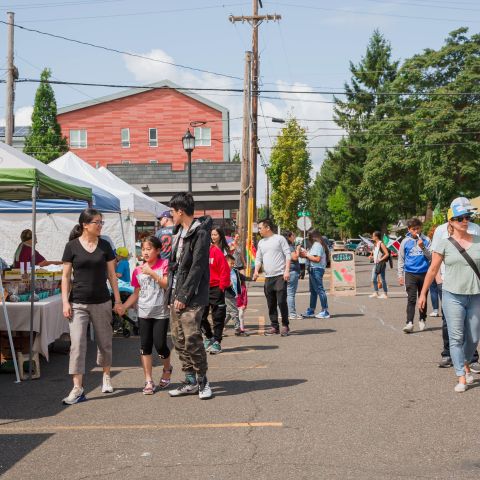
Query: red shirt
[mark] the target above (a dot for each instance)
(26, 256)
(219, 269)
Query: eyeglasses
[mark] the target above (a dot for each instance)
(99, 223)
(461, 218)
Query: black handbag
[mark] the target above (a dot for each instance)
(380, 267)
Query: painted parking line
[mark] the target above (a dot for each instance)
(89, 428)
(248, 367)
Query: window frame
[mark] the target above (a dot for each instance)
(150, 140)
(79, 144)
(200, 140)
(123, 142)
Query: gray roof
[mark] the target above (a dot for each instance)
(146, 173)
(17, 132)
(136, 91)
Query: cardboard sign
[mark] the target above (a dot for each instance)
(343, 274)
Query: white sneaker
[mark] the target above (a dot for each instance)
(469, 378)
(107, 384)
(75, 396)
(421, 325)
(185, 388)
(460, 387)
(434, 314)
(383, 296)
(408, 328)
(373, 295)
(204, 390)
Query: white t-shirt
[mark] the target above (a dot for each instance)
(272, 253)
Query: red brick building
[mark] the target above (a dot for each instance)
(146, 126)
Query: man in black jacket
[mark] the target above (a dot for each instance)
(188, 289)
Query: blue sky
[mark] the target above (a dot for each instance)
(310, 47)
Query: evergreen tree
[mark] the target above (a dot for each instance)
(45, 141)
(289, 174)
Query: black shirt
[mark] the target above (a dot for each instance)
(165, 235)
(89, 271)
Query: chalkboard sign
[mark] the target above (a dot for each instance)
(343, 274)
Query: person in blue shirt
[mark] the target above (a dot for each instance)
(317, 257)
(413, 262)
(123, 268)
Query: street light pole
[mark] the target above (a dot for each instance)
(189, 154)
(188, 141)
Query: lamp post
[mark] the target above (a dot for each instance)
(188, 141)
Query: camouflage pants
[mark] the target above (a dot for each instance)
(187, 339)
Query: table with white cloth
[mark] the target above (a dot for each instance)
(48, 321)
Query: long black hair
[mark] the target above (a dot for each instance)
(223, 240)
(86, 216)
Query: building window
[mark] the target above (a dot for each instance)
(125, 134)
(78, 139)
(153, 161)
(152, 137)
(126, 162)
(203, 136)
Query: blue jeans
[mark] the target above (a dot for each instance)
(462, 313)
(375, 280)
(317, 289)
(434, 295)
(291, 291)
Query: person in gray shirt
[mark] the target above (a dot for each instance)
(273, 253)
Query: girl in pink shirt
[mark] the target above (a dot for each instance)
(150, 282)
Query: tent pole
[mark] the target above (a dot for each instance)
(121, 226)
(9, 331)
(32, 277)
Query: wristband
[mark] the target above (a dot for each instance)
(118, 303)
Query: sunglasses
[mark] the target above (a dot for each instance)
(461, 218)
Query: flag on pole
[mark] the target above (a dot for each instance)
(367, 241)
(393, 245)
(251, 253)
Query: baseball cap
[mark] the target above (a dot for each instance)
(122, 252)
(462, 202)
(165, 214)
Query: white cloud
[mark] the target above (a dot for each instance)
(300, 105)
(23, 117)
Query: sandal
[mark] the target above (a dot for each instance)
(149, 388)
(165, 382)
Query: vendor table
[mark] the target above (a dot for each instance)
(48, 321)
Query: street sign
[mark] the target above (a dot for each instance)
(304, 223)
(304, 214)
(343, 274)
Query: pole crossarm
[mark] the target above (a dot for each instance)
(255, 20)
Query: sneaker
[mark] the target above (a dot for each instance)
(271, 331)
(323, 314)
(215, 348)
(207, 343)
(383, 296)
(460, 387)
(408, 328)
(434, 314)
(75, 396)
(469, 378)
(475, 367)
(186, 388)
(241, 333)
(445, 362)
(421, 325)
(204, 390)
(309, 313)
(285, 332)
(107, 384)
(373, 295)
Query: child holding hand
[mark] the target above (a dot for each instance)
(150, 282)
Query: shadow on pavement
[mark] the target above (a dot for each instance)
(15, 447)
(347, 315)
(238, 387)
(247, 348)
(316, 331)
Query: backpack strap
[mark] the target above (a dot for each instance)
(465, 255)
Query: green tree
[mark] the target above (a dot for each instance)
(289, 174)
(45, 141)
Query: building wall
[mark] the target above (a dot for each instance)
(167, 110)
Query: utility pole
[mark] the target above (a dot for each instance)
(244, 182)
(255, 20)
(11, 76)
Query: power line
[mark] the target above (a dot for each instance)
(122, 52)
(423, 5)
(59, 4)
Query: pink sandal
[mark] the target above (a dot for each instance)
(165, 382)
(149, 388)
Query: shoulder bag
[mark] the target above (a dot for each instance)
(465, 255)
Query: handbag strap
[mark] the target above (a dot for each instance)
(465, 255)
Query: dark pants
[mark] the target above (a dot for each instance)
(153, 331)
(446, 341)
(275, 290)
(303, 269)
(414, 285)
(219, 312)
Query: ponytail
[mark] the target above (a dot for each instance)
(76, 232)
(86, 216)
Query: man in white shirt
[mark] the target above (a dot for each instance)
(273, 253)
(441, 233)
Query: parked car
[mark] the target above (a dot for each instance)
(352, 244)
(363, 249)
(338, 245)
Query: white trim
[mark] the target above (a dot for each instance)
(123, 142)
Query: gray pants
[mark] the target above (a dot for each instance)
(232, 311)
(101, 317)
